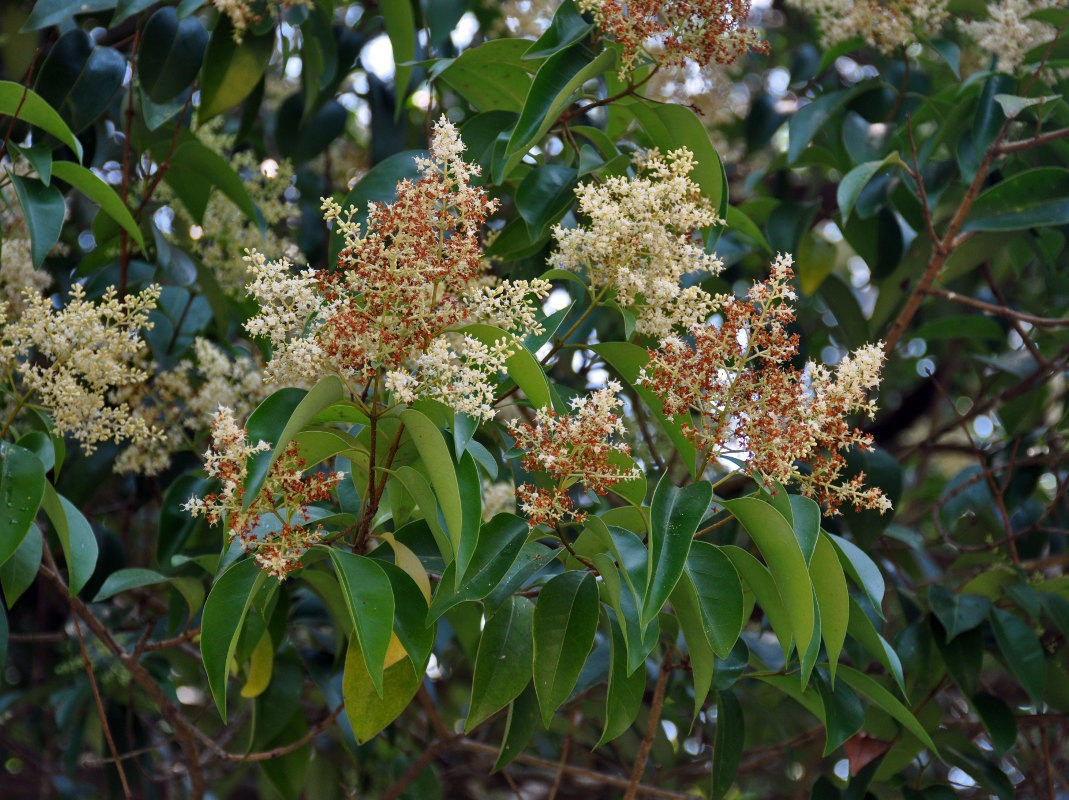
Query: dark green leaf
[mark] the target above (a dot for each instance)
(843, 715)
(565, 621)
(521, 723)
(170, 54)
(856, 180)
(544, 195)
(231, 70)
(623, 699)
(999, 721)
(1023, 652)
(674, 517)
(43, 208)
(503, 663)
(125, 579)
(79, 79)
(958, 613)
(1034, 198)
(720, 596)
(195, 169)
(369, 595)
(52, 12)
(401, 28)
(567, 28)
(727, 746)
(833, 599)
(870, 689)
(492, 76)
(810, 118)
(22, 487)
(40, 158)
(75, 537)
(20, 570)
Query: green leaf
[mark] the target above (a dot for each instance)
(75, 537)
(740, 223)
(492, 76)
(958, 613)
(1023, 652)
(500, 542)
(401, 28)
(565, 621)
(861, 569)
(20, 570)
(195, 169)
(545, 195)
(521, 723)
(170, 54)
(522, 366)
(862, 629)
(19, 100)
(857, 179)
(833, 599)
(43, 208)
(231, 70)
(434, 453)
(671, 126)
(100, 193)
(674, 518)
(225, 610)
(776, 540)
(555, 83)
(79, 79)
(125, 579)
(567, 28)
(369, 595)
(804, 516)
(22, 486)
(727, 744)
(40, 158)
(370, 705)
(503, 663)
(843, 715)
(1034, 198)
(1013, 105)
(52, 12)
(810, 118)
(869, 688)
(756, 575)
(719, 594)
(998, 719)
(623, 699)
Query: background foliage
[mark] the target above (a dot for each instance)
(923, 191)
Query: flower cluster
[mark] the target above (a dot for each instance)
(182, 402)
(243, 13)
(576, 447)
(1007, 32)
(747, 405)
(276, 526)
(884, 24)
(18, 274)
(641, 241)
(72, 360)
(403, 290)
(674, 31)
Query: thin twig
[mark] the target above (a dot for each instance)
(651, 728)
(1002, 311)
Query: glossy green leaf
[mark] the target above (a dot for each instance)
(857, 179)
(401, 28)
(998, 719)
(532, 559)
(843, 715)
(552, 91)
(1031, 199)
(195, 169)
(804, 516)
(810, 118)
(545, 195)
(43, 209)
(566, 28)
(434, 453)
(565, 621)
(757, 577)
(125, 579)
(19, 571)
(674, 517)
(728, 742)
(231, 70)
(833, 599)
(1023, 651)
(625, 692)
(170, 54)
(79, 79)
(372, 705)
(503, 663)
(16, 99)
(719, 594)
(224, 614)
(75, 537)
(52, 12)
(873, 691)
(492, 76)
(776, 540)
(100, 193)
(22, 487)
(39, 157)
(861, 569)
(963, 656)
(522, 366)
(861, 628)
(958, 613)
(499, 545)
(700, 653)
(369, 595)
(522, 720)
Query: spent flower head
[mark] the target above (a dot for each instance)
(746, 404)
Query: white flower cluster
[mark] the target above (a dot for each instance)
(640, 241)
(18, 276)
(1007, 32)
(884, 24)
(72, 361)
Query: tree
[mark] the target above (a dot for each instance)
(396, 404)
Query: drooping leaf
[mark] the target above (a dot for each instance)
(170, 54)
(79, 79)
(861, 569)
(503, 663)
(369, 595)
(728, 742)
(20, 570)
(719, 595)
(565, 621)
(22, 487)
(43, 208)
(623, 698)
(843, 715)
(522, 719)
(871, 689)
(370, 705)
(26, 104)
(674, 518)
(231, 69)
(998, 719)
(957, 612)
(833, 599)
(566, 28)
(75, 537)
(1023, 651)
(100, 193)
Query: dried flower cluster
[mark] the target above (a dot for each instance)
(674, 31)
(641, 240)
(182, 402)
(276, 526)
(745, 403)
(884, 24)
(402, 293)
(575, 447)
(71, 360)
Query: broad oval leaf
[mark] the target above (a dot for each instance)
(674, 518)
(719, 593)
(957, 612)
(492, 76)
(371, 706)
(170, 54)
(79, 79)
(565, 621)
(44, 209)
(503, 663)
(1034, 198)
(22, 487)
(369, 596)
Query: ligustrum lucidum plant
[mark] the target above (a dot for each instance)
(395, 405)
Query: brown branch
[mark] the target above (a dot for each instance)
(281, 750)
(651, 728)
(1036, 141)
(1003, 311)
(564, 752)
(415, 769)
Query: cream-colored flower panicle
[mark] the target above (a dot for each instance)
(277, 527)
(72, 361)
(1008, 33)
(884, 24)
(406, 285)
(641, 240)
(743, 403)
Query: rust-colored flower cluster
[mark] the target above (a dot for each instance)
(575, 447)
(675, 31)
(747, 405)
(276, 527)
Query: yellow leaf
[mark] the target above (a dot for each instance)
(261, 664)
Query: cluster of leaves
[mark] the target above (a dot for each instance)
(728, 642)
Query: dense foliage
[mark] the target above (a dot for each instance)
(449, 398)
